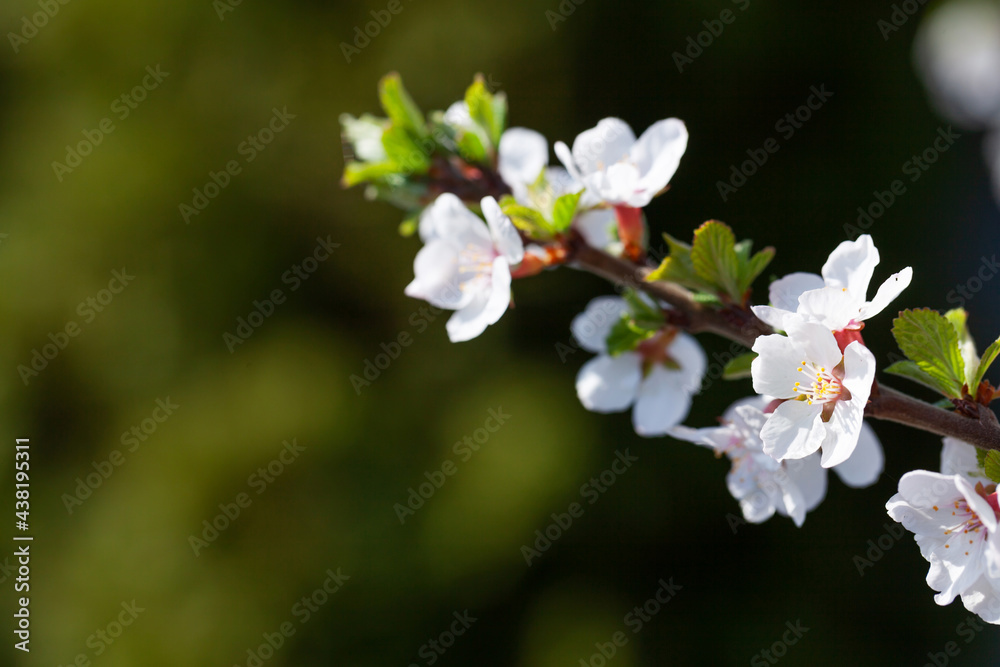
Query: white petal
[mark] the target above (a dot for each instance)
(959, 458)
(661, 403)
(982, 598)
(602, 146)
(773, 317)
(859, 371)
(597, 227)
(793, 431)
(566, 157)
(436, 277)
(485, 309)
(888, 291)
(658, 153)
(785, 292)
(621, 185)
(505, 237)
(458, 115)
(834, 307)
(793, 503)
(810, 476)
(716, 437)
(453, 222)
(851, 265)
(775, 370)
(609, 384)
(686, 351)
(521, 156)
(816, 343)
(865, 464)
(592, 326)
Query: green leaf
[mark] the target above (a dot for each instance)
(483, 110)
(984, 364)
(679, 268)
(911, 371)
(958, 318)
(409, 226)
(399, 106)
(364, 172)
(714, 257)
(992, 465)
(928, 338)
(500, 114)
(471, 148)
(626, 335)
(526, 219)
(981, 457)
(564, 211)
(739, 367)
(750, 270)
(643, 312)
(404, 151)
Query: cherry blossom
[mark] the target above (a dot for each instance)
(465, 265)
(838, 298)
(826, 392)
(657, 379)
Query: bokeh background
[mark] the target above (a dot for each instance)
(666, 518)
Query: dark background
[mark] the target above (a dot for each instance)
(333, 506)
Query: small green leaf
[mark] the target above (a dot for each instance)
(483, 110)
(625, 336)
(564, 211)
(526, 219)
(399, 106)
(471, 148)
(409, 226)
(404, 151)
(984, 364)
(981, 457)
(911, 371)
(714, 257)
(958, 318)
(364, 172)
(678, 267)
(992, 465)
(500, 114)
(739, 367)
(928, 338)
(754, 267)
(706, 298)
(643, 312)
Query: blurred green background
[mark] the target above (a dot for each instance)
(333, 505)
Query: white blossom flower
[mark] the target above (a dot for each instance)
(955, 525)
(621, 170)
(657, 379)
(838, 298)
(827, 391)
(465, 265)
(365, 136)
(764, 486)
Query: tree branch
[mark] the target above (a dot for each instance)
(742, 326)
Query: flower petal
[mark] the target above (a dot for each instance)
(658, 153)
(485, 309)
(793, 431)
(603, 145)
(774, 317)
(592, 326)
(859, 371)
(863, 467)
(662, 402)
(887, 291)
(785, 292)
(775, 370)
(834, 307)
(810, 476)
(959, 458)
(436, 277)
(691, 358)
(598, 227)
(609, 384)
(506, 240)
(851, 265)
(521, 156)
(816, 343)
